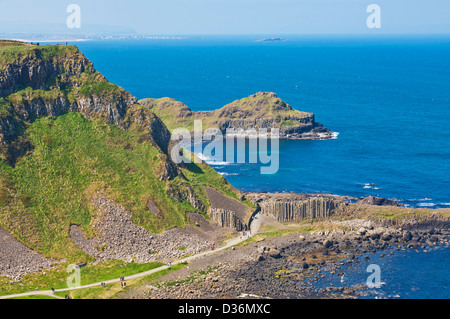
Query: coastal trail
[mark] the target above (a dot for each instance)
(254, 227)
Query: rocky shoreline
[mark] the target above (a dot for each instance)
(292, 266)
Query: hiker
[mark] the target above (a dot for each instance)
(53, 289)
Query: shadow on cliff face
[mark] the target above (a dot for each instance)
(194, 168)
(18, 148)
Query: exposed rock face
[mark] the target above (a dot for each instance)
(152, 130)
(226, 218)
(186, 194)
(285, 211)
(150, 125)
(34, 69)
(55, 83)
(227, 211)
(293, 207)
(111, 110)
(53, 73)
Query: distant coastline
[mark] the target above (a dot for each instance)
(82, 38)
(48, 40)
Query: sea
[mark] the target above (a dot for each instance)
(386, 98)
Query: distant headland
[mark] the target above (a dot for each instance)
(271, 40)
(260, 110)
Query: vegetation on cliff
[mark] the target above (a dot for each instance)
(66, 133)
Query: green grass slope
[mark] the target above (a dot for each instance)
(70, 156)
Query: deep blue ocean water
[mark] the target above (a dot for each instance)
(388, 98)
(407, 274)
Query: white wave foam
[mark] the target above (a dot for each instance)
(370, 186)
(426, 204)
(211, 161)
(214, 163)
(228, 174)
(334, 135)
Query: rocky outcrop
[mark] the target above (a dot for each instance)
(149, 125)
(227, 211)
(184, 193)
(285, 211)
(226, 218)
(286, 207)
(54, 80)
(379, 201)
(263, 110)
(152, 130)
(39, 67)
(37, 105)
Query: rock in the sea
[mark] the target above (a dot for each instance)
(379, 201)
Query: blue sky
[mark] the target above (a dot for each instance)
(233, 16)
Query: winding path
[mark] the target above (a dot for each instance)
(255, 224)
